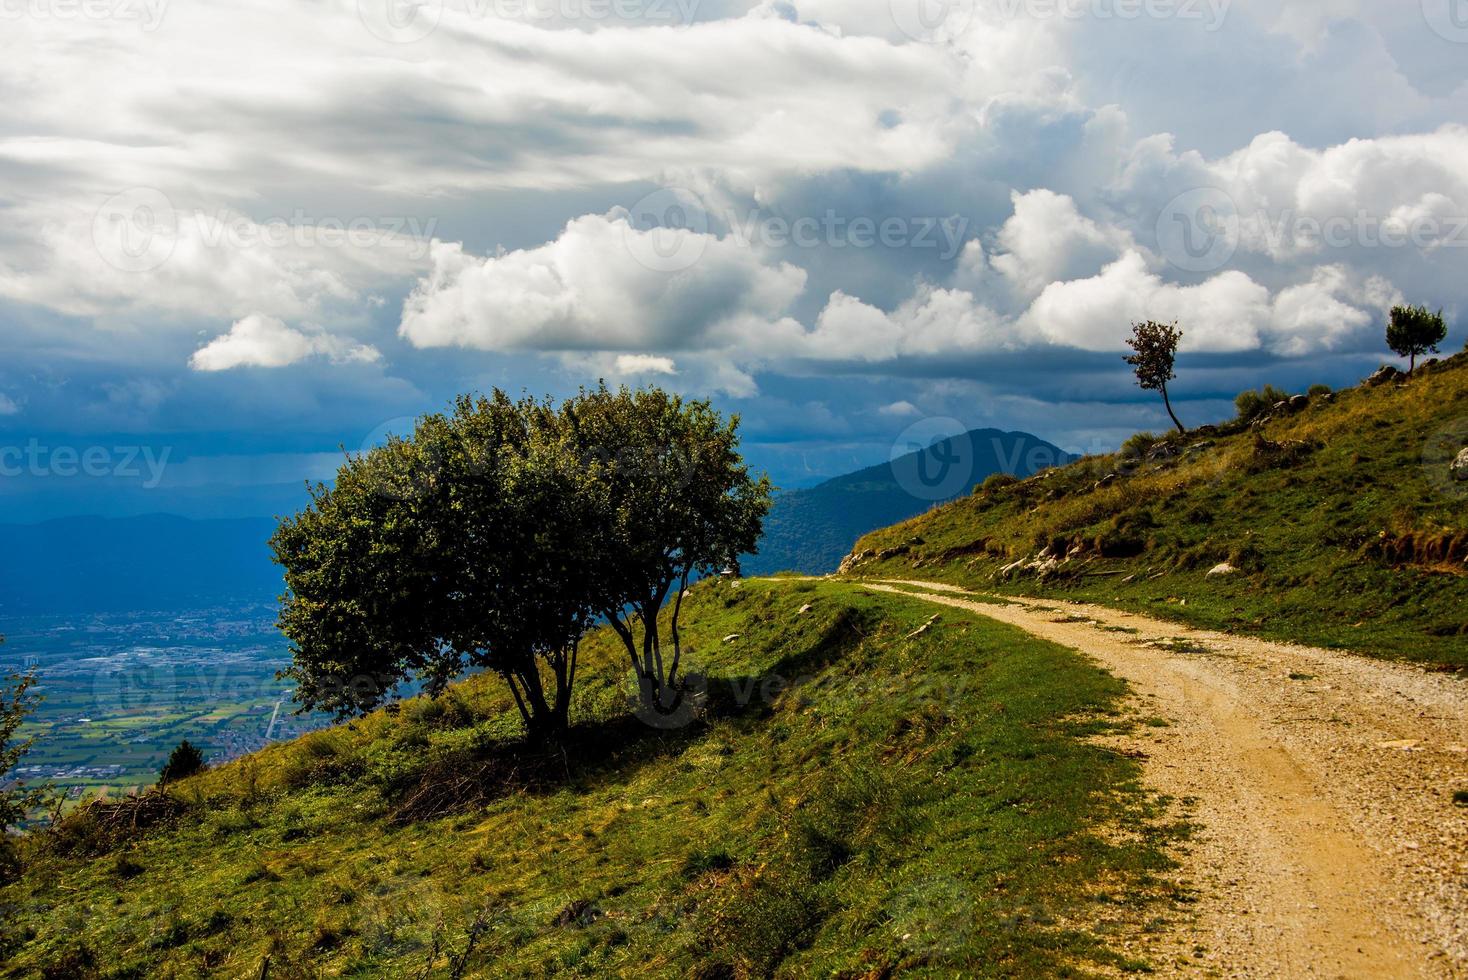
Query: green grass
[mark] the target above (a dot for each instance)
(1355, 539)
(854, 803)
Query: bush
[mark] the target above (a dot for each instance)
(995, 482)
(1138, 444)
(1252, 404)
(1319, 391)
(9, 861)
(185, 761)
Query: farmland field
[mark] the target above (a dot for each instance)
(120, 691)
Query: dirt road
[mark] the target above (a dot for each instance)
(1329, 843)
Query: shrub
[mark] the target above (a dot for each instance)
(995, 482)
(1138, 444)
(1319, 391)
(185, 761)
(1252, 404)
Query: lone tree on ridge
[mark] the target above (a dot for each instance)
(1413, 331)
(1155, 346)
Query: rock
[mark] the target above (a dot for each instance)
(732, 637)
(1224, 568)
(1161, 451)
(1460, 466)
(925, 627)
(805, 609)
(1008, 571)
(852, 560)
(1281, 407)
(1199, 447)
(1386, 374)
(1299, 403)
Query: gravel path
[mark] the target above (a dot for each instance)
(1322, 783)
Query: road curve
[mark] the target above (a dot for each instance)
(1321, 783)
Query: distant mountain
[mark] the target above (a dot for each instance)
(811, 530)
(95, 564)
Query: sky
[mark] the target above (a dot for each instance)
(238, 239)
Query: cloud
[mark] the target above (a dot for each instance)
(265, 342)
(1049, 240)
(900, 410)
(8, 405)
(933, 322)
(645, 364)
(603, 285)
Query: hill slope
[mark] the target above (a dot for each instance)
(809, 530)
(1343, 523)
(866, 794)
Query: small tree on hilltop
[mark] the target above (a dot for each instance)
(185, 761)
(1155, 346)
(1413, 331)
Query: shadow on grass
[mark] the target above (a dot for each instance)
(594, 753)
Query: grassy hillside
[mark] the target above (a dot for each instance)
(810, 530)
(1342, 521)
(864, 795)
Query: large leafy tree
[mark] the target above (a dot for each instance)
(455, 547)
(1153, 357)
(1413, 331)
(672, 500)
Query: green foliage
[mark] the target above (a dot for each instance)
(16, 702)
(186, 760)
(1154, 356)
(1254, 404)
(1137, 445)
(460, 546)
(672, 500)
(1319, 391)
(995, 482)
(1413, 331)
(491, 537)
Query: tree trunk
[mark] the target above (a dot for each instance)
(1168, 402)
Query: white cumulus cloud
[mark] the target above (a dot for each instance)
(265, 342)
